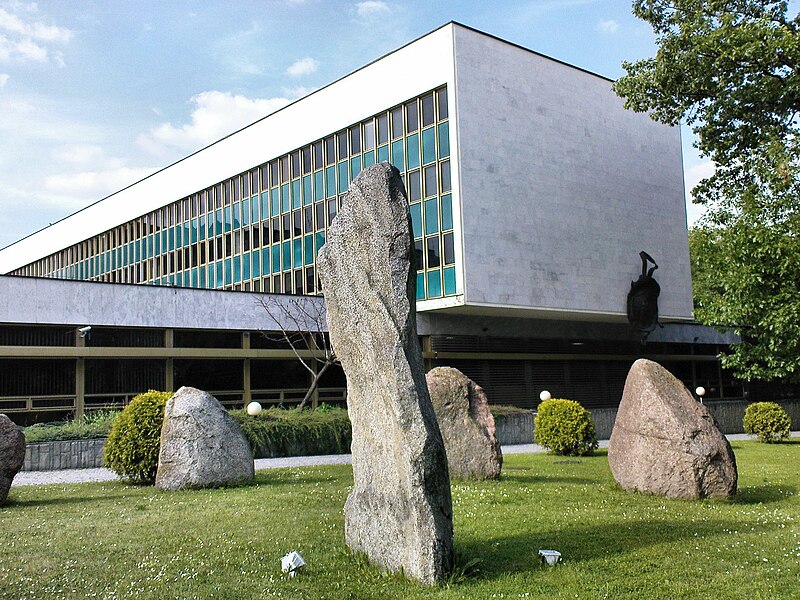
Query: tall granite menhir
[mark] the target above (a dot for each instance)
(400, 511)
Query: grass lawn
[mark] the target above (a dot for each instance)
(113, 540)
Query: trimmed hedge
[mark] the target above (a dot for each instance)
(768, 421)
(131, 450)
(281, 432)
(94, 425)
(564, 427)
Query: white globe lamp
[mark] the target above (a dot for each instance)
(254, 409)
(544, 395)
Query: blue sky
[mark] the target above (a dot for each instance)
(95, 95)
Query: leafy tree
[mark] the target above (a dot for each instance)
(729, 69)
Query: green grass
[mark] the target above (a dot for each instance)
(115, 540)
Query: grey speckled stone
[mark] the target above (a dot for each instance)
(201, 444)
(400, 510)
(12, 454)
(665, 442)
(466, 423)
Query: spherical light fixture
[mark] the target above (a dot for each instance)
(254, 409)
(544, 395)
(700, 391)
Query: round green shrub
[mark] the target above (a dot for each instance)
(131, 450)
(564, 427)
(768, 421)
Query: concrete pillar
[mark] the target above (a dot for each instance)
(248, 392)
(169, 363)
(80, 378)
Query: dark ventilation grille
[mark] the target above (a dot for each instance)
(35, 377)
(37, 336)
(130, 338)
(518, 383)
(122, 376)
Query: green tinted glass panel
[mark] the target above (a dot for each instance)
(265, 264)
(246, 212)
(194, 277)
(227, 270)
(274, 202)
(246, 266)
(319, 241)
(434, 284)
(297, 252)
(237, 269)
(308, 249)
(330, 181)
(195, 228)
(201, 277)
(431, 216)
(218, 273)
(416, 219)
(179, 279)
(428, 145)
(297, 201)
(397, 155)
(276, 258)
(226, 218)
(447, 212)
(217, 223)
(449, 281)
(383, 153)
(237, 221)
(420, 286)
(412, 150)
(256, 208)
(265, 204)
(369, 158)
(286, 250)
(158, 244)
(319, 186)
(286, 201)
(355, 166)
(443, 133)
(308, 195)
(342, 174)
(256, 264)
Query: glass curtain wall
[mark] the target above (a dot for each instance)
(261, 230)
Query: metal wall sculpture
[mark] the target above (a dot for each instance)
(643, 299)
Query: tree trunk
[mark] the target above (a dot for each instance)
(314, 384)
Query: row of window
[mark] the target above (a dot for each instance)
(262, 229)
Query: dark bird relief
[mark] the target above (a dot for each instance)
(643, 299)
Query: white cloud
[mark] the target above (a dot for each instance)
(216, 114)
(369, 8)
(4, 77)
(27, 40)
(607, 26)
(95, 184)
(298, 92)
(304, 66)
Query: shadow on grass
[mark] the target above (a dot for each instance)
(763, 494)
(66, 500)
(519, 553)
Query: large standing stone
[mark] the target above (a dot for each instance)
(201, 444)
(665, 442)
(466, 423)
(400, 510)
(12, 454)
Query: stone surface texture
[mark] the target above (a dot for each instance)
(400, 510)
(12, 454)
(466, 423)
(665, 442)
(201, 444)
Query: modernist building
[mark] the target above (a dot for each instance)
(531, 192)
